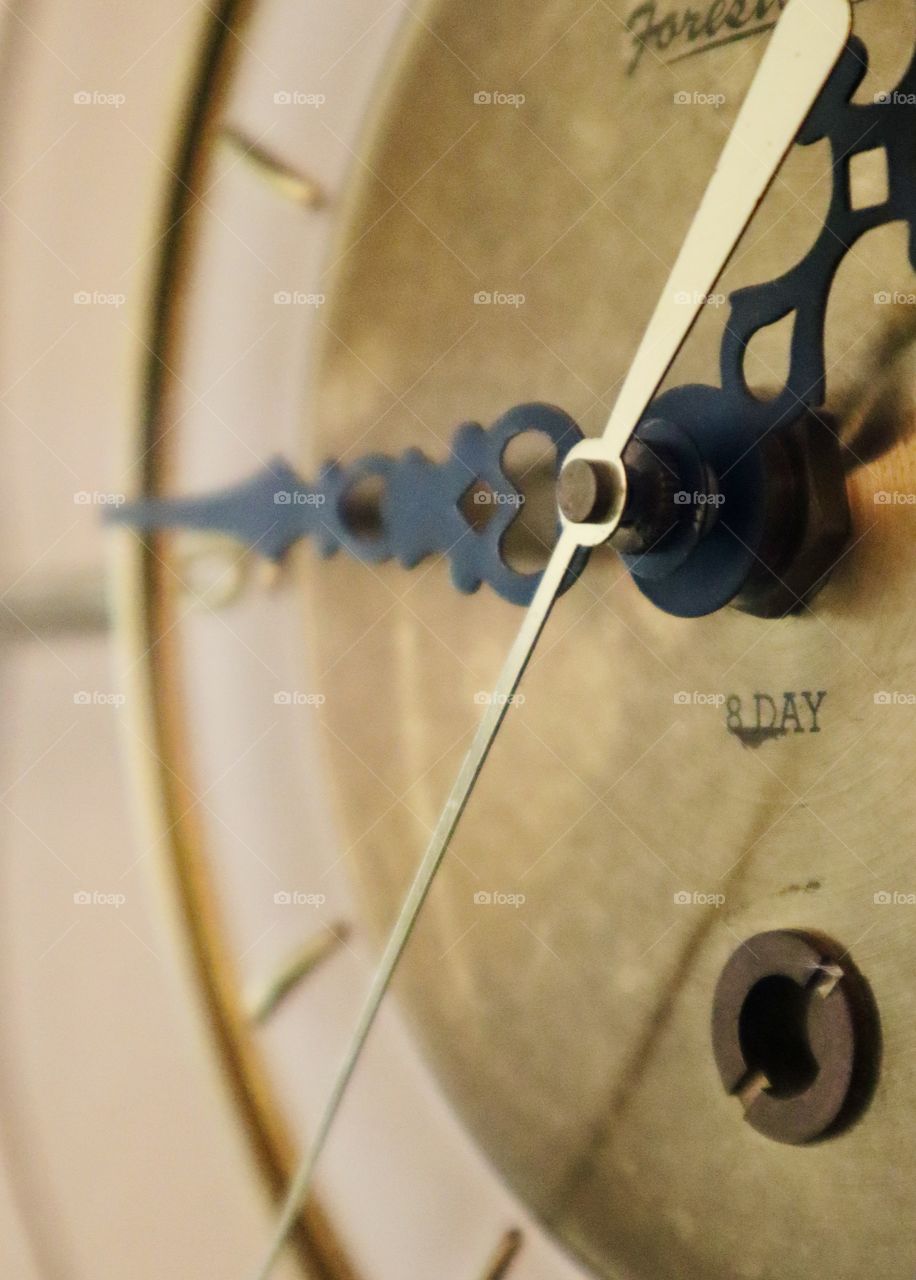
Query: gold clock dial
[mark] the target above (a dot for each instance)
(523, 197)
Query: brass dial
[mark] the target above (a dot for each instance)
(561, 986)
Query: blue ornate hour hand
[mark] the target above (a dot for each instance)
(419, 512)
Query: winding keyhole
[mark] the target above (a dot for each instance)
(780, 993)
(773, 1030)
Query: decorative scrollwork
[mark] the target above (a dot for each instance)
(419, 513)
(851, 129)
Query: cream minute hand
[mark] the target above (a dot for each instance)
(807, 41)
(802, 51)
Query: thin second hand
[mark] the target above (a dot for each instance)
(512, 671)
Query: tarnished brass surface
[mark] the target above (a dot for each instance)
(571, 1029)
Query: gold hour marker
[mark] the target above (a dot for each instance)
(288, 182)
(506, 1252)
(52, 605)
(211, 570)
(300, 965)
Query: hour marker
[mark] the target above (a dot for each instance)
(288, 182)
(53, 605)
(506, 1252)
(211, 570)
(298, 967)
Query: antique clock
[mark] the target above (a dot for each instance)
(510, 574)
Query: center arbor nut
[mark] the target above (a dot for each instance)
(655, 515)
(796, 1036)
(711, 516)
(586, 491)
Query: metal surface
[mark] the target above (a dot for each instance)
(264, 1004)
(585, 491)
(603, 1106)
(286, 181)
(807, 518)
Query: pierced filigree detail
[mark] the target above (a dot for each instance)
(420, 511)
(851, 129)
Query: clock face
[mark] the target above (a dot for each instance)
(419, 220)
